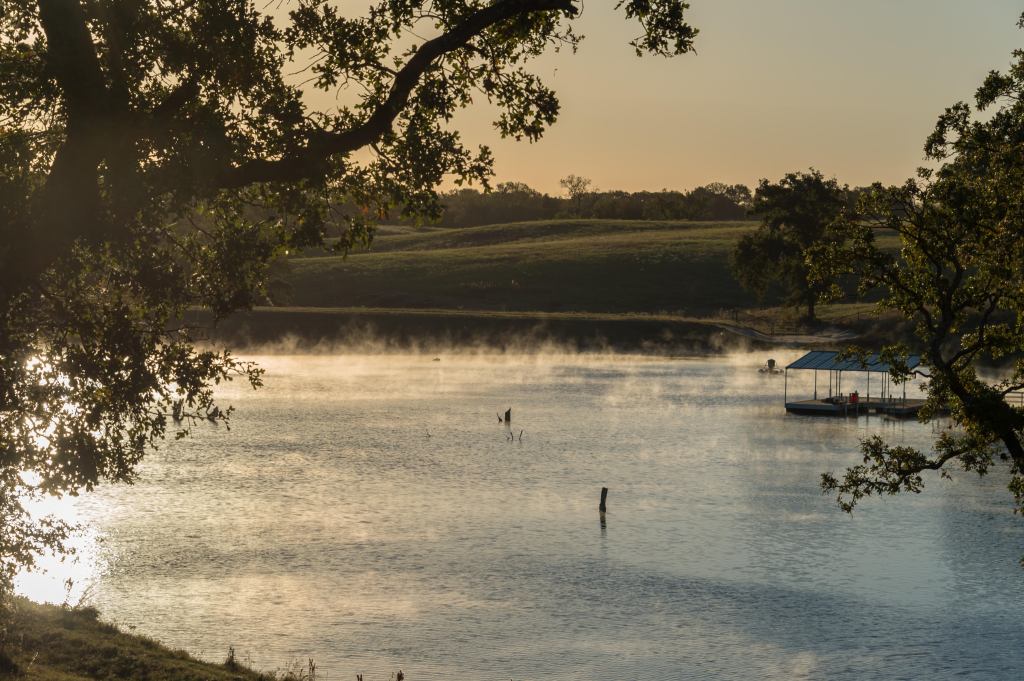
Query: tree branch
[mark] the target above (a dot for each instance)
(886, 470)
(309, 161)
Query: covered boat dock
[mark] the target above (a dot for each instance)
(834, 402)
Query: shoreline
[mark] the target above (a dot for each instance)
(294, 329)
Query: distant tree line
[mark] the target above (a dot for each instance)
(516, 202)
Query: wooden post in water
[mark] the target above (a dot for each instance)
(602, 508)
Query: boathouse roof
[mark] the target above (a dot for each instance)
(828, 360)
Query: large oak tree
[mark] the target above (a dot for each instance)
(156, 154)
(959, 277)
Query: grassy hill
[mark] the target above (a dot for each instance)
(593, 283)
(566, 265)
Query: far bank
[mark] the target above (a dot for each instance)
(373, 329)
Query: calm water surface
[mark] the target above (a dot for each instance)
(368, 511)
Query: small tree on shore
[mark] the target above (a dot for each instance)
(796, 214)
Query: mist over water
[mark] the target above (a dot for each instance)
(369, 511)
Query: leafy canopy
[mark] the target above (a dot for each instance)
(156, 154)
(959, 276)
(796, 215)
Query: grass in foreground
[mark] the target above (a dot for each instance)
(59, 643)
(51, 643)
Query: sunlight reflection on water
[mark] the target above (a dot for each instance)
(63, 579)
(370, 512)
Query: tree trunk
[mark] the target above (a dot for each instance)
(1013, 446)
(999, 419)
(67, 207)
(811, 302)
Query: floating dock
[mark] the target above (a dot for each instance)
(895, 407)
(838, 403)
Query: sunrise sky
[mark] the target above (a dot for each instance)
(851, 88)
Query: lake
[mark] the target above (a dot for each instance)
(372, 513)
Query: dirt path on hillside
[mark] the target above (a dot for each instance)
(827, 336)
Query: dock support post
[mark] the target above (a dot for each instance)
(604, 497)
(785, 387)
(815, 384)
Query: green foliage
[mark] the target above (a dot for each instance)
(959, 278)
(158, 155)
(797, 213)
